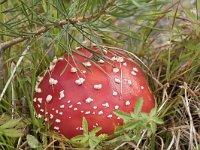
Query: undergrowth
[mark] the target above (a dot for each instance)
(162, 36)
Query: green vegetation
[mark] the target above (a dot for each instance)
(162, 36)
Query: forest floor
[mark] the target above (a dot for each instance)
(168, 50)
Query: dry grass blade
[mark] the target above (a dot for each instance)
(192, 138)
(171, 143)
(13, 94)
(13, 72)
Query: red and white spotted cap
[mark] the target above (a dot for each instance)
(71, 90)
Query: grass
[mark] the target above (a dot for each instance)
(171, 65)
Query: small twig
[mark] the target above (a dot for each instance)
(49, 26)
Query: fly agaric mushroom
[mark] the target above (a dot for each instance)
(71, 90)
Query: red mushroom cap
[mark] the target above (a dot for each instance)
(71, 90)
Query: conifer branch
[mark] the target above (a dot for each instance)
(49, 26)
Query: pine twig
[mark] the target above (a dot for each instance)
(49, 26)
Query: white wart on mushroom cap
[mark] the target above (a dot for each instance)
(66, 97)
